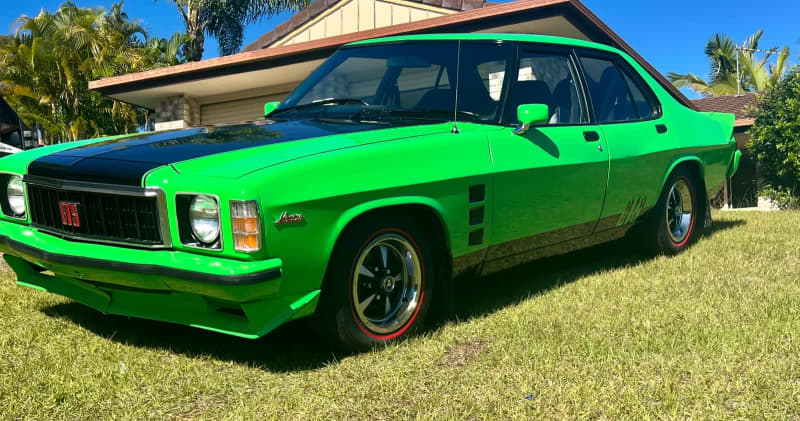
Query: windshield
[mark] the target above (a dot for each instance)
(408, 80)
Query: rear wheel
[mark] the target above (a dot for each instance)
(379, 284)
(674, 222)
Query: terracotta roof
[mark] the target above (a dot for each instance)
(317, 7)
(741, 105)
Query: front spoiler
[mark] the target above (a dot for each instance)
(243, 299)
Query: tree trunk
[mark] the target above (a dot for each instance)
(193, 49)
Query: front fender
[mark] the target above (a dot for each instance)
(354, 212)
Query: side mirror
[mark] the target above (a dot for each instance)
(528, 114)
(270, 107)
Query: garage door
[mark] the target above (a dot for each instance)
(238, 110)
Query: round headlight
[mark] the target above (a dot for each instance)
(16, 195)
(204, 218)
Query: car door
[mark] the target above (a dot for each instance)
(630, 117)
(550, 182)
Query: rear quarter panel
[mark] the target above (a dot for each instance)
(693, 137)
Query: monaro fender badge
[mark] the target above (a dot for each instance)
(285, 218)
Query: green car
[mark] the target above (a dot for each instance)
(398, 166)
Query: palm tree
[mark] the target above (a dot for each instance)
(753, 74)
(46, 66)
(225, 20)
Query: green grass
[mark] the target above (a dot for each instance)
(602, 333)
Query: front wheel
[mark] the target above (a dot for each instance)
(379, 284)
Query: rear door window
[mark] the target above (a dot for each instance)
(618, 93)
(609, 91)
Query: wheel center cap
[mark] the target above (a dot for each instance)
(388, 284)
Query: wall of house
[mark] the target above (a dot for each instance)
(743, 188)
(248, 109)
(177, 112)
(360, 15)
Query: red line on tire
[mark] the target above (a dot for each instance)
(421, 295)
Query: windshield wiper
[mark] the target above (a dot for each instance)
(441, 115)
(327, 101)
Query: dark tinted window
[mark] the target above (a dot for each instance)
(406, 80)
(482, 77)
(609, 91)
(643, 98)
(550, 79)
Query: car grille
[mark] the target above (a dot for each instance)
(103, 217)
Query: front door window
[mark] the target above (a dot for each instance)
(550, 79)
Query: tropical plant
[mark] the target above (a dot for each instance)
(46, 66)
(225, 21)
(775, 136)
(753, 74)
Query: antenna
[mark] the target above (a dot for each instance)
(741, 49)
(458, 85)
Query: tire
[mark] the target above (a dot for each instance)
(379, 285)
(678, 217)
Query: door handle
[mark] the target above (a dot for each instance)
(591, 136)
(661, 128)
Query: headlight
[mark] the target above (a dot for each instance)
(204, 218)
(16, 195)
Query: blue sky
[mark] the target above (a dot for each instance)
(669, 34)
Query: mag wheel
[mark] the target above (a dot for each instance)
(379, 284)
(680, 213)
(674, 221)
(387, 285)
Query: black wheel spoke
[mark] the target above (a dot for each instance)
(386, 285)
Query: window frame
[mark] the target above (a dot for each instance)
(580, 85)
(626, 69)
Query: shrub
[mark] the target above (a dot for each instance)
(775, 137)
(782, 197)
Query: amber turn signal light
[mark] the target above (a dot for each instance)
(246, 225)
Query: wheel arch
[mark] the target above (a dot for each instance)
(694, 163)
(424, 209)
(697, 167)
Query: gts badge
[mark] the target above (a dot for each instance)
(286, 219)
(632, 211)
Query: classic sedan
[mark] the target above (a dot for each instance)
(397, 166)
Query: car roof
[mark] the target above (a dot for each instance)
(541, 39)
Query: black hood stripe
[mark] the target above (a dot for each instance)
(125, 161)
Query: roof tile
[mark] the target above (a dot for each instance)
(741, 105)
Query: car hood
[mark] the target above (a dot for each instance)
(226, 151)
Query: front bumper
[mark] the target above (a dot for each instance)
(224, 295)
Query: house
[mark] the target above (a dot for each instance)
(235, 88)
(742, 190)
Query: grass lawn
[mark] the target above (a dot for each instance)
(601, 333)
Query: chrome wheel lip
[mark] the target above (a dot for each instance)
(680, 211)
(387, 283)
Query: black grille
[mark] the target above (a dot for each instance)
(101, 216)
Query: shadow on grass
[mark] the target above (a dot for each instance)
(480, 296)
(294, 347)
